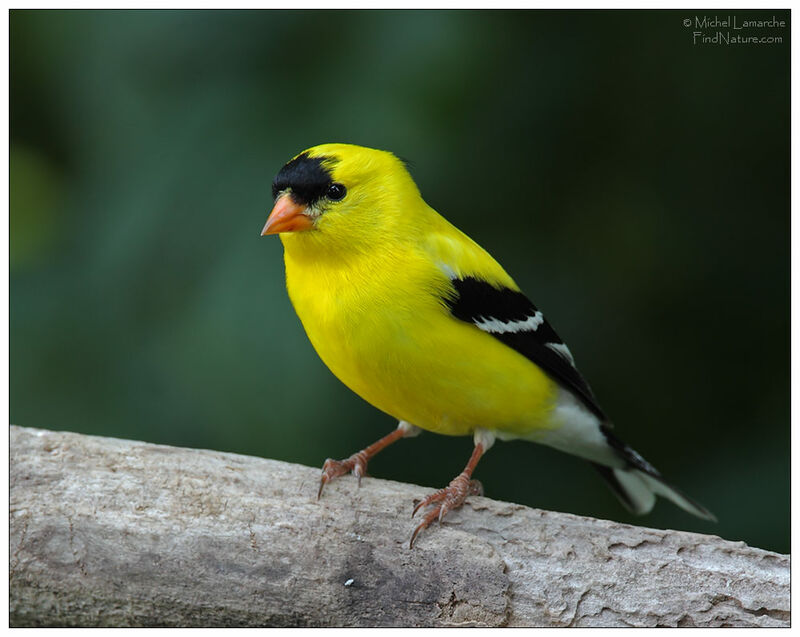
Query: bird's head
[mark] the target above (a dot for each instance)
(340, 194)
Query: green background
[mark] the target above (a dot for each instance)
(635, 184)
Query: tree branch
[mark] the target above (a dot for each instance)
(108, 532)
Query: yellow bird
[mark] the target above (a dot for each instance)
(420, 321)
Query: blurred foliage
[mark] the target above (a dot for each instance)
(635, 185)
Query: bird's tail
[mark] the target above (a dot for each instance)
(638, 483)
(637, 491)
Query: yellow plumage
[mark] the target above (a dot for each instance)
(372, 310)
(424, 324)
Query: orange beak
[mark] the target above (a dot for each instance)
(287, 216)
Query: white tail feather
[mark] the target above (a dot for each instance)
(637, 490)
(640, 495)
(661, 488)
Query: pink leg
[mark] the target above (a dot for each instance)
(452, 496)
(357, 463)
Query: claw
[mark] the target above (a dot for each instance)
(449, 498)
(414, 534)
(433, 497)
(325, 477)
(321, 486)
(357, 464)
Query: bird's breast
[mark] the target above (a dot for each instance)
(385, 333)
(363, 324)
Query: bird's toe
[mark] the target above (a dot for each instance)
(447, 499)
(332, 469)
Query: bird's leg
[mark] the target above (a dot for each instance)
(453, 495)
(357, 463)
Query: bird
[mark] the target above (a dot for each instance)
(420, 321)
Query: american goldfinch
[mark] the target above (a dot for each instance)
(420, 321)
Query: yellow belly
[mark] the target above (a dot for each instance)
(409, 358)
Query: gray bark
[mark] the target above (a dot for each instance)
(108, 532)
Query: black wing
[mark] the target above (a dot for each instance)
(511, 318)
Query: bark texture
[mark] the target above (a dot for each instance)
(108, 532)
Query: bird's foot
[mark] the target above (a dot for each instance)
(447, 499)
(357, 464)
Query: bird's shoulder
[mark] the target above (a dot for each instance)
(480, 292)
(458, 257)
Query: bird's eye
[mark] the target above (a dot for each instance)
(336, 192)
